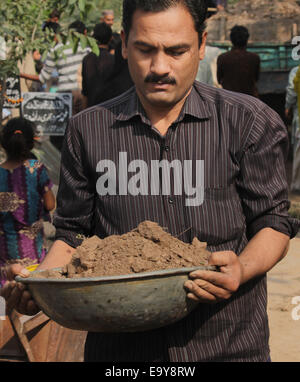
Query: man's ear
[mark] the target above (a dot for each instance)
(202, 46)
(124, 45)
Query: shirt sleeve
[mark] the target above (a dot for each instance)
(48, 68)
(73, 218)
(262, 182)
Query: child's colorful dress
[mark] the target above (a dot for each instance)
(22, 212)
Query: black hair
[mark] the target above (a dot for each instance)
(17, 139)
(55, 13)
(79, 26)
(197, 9)
(54, 27)
(102, 33)
(239, 36)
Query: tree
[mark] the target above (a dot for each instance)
(21, 27)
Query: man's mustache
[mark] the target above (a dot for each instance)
(165, 80)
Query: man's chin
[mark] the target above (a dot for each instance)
(161, 99)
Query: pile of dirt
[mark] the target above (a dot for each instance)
(266, 20)
(144, 249)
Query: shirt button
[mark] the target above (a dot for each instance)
(167, 148)
(171, 201)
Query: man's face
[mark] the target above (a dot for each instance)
(109, 19)
(163, 55)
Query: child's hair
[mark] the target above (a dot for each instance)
(17, 138)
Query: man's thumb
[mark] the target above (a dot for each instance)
(16, 270)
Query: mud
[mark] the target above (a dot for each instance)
(146, 248)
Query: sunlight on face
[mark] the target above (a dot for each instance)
(109, 20)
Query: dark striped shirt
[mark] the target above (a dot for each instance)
(243, 144)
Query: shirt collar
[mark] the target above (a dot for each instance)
(195, 106)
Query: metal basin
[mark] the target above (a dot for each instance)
(129, 303)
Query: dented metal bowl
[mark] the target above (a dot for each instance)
(129, 303)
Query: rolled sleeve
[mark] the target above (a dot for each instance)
(73, 218)
(262, 181)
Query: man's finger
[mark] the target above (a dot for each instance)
(14, 270)
(25, 298)
(199, 294)
(218, 293)
(32, 308)
(13, 299)
(217, 278)
(7, 289)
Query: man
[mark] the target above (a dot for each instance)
(292, 110)
(66, 64)
(238, 70)
(63, 60)
(53, 21)
(207, 72)
(108, 17)
(231, 139)
(97, 69)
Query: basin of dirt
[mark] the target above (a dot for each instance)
(145, 249)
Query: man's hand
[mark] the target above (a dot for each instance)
(288, 114)
(213, 287)
(16, 295)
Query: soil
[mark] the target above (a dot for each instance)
(146, 248)
(266, 20)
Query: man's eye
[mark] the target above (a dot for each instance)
(176, 53)
(145, 51)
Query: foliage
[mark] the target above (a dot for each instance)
(21, 26)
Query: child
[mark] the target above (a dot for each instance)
(25, 196)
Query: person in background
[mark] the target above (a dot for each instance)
(67, 69)
(207, 72)
(96, 69)
(25, 196)
(53, 21)
(118, 82)
(238, 70)
(108, 17)
(292, 112)
(221, 5)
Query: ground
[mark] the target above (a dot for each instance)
(283, 287)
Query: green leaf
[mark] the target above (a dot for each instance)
(93, 44)
(75, 45)
(81, 4)
(83, 41)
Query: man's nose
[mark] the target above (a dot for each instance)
(160, 64)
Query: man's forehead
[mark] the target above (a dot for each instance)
(169, 27)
